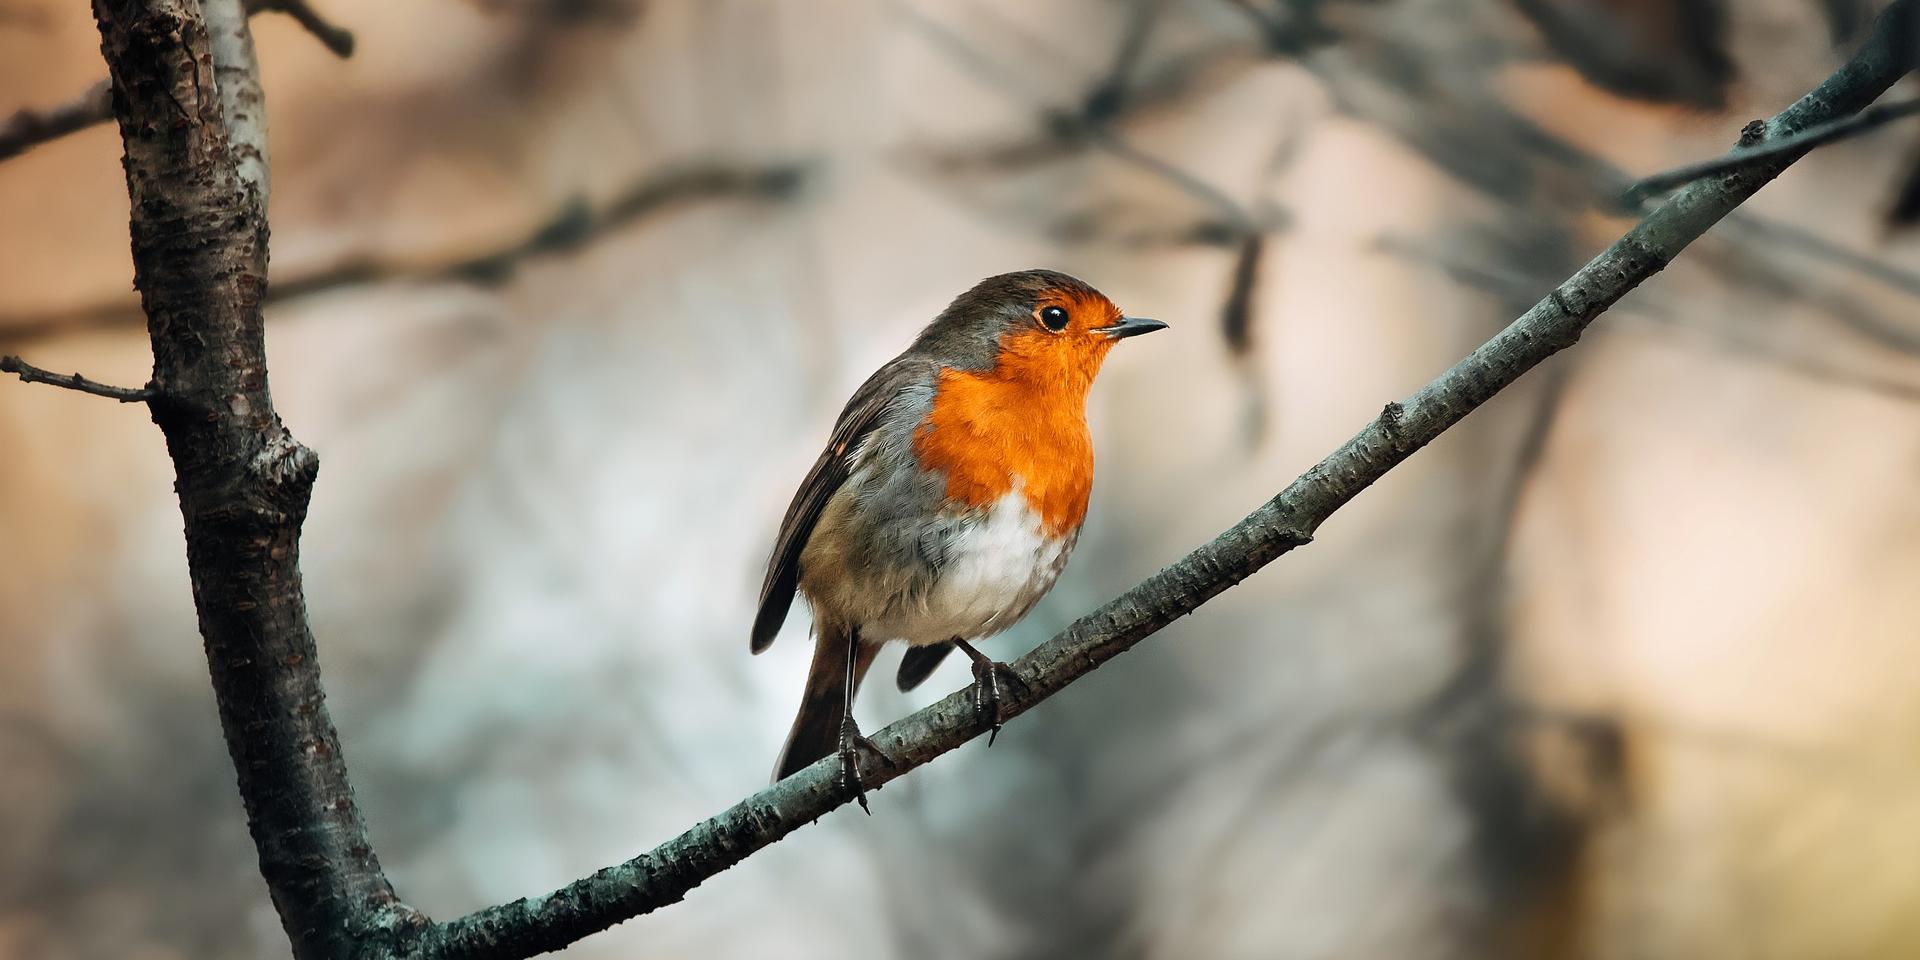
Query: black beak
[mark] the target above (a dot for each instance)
(1131, 327)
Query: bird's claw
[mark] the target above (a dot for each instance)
(990, 677)
(852, 741)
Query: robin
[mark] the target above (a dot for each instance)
(946, 502)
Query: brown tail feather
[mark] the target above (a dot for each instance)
(816, 730)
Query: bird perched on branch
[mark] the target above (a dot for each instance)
(946, 502)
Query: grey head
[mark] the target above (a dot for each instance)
(967, 333)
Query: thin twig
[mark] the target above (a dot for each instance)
(1078, 126)
(573, 226)
(334, 38)
(29, 127)
(1792, 144)
(665, 875)
(29, 373)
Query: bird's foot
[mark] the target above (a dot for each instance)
(852, 741)
(992, 680)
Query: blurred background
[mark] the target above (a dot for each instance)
(568, 292)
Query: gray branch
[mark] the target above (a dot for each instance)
(29, 127)
(28, 373)
(1773, 149)
(664, 875)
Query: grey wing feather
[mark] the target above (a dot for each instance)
(863, 413)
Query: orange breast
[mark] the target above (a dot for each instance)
(990, 431)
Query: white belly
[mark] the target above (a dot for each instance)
(994, 571)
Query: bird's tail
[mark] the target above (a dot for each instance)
(816, 730)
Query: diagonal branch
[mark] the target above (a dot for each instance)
(1766, 150)
(335, 38)
(28, 127)
(665, 874)
(28, 373)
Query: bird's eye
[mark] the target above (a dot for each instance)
(1054, 318)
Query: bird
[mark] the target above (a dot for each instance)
(946, 502)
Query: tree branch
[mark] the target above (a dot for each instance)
(665, 875)
(334, 38)
(1765, 150)
(28, 373)
(196, 181)
(573, 226)
(29, 127)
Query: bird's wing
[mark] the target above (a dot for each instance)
(863, 413)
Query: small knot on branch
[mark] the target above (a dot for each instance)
(285, 462)
(1390, 418)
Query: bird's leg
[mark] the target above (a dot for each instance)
(851, 739)
(990, 676)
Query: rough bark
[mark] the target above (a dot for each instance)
(199, 234)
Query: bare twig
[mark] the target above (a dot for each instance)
(1765, 150)
(334, 38)
(29, 127)
(1085, 124)
(666, 874)
(573, 226)
(29, 373)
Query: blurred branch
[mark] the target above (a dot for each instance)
(334, 38)
(1237, 329)
(1110, 93)
(29, 127)
(1798, 363)
(1764, 150)
(28, 373)
(1904, 210)
(1236, 314)
(577, 224)
(574, 226)
(1089, 123)
(665, 875)
(1500, 282)
(1476, 139)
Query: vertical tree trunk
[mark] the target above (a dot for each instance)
(196, 175)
